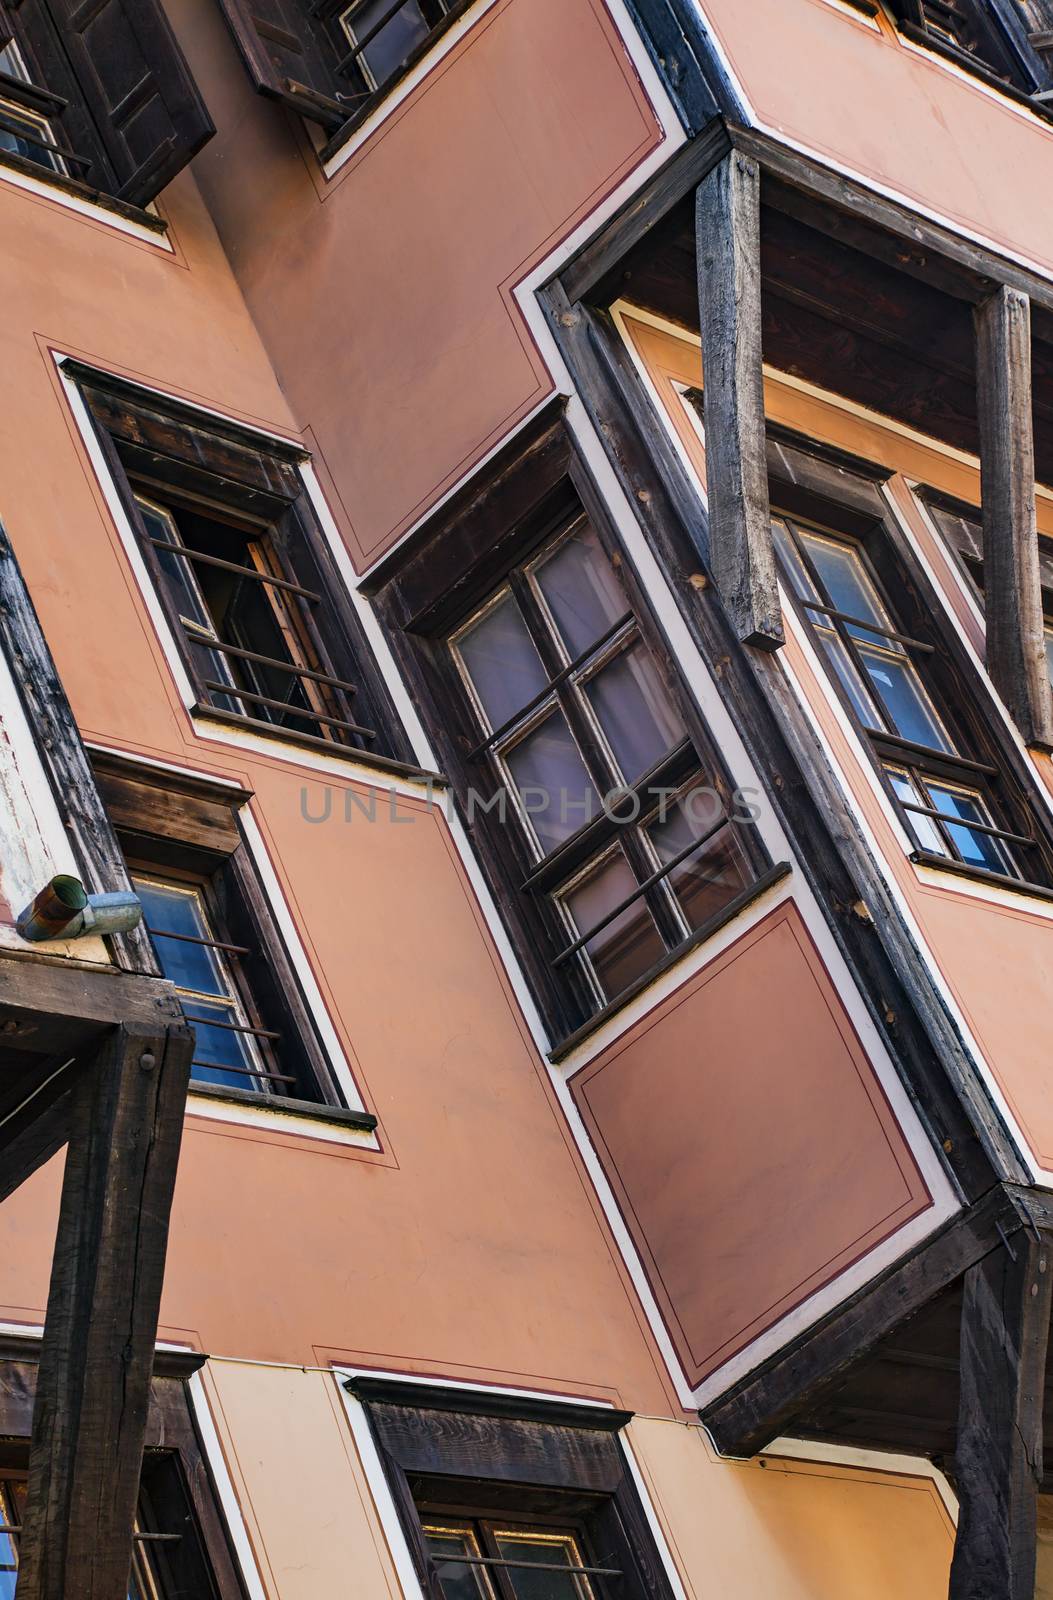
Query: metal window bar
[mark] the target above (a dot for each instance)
(142, 1538)
(232, 1027)
(348, 61)
(527, 1566)
(238, 693)
(968, 825)
(19, 129)
(244, 1072)
(198, 557)
(641, 889)
(553, 683)
(870, 627)
(193, 938)
(206, 642)
(910, 748)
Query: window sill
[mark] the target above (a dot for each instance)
(309, 741)
(71, 188)
(309, 1110)
(958, 869)
(782, 869)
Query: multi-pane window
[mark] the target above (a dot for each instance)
(100, 94)
(252, 594)
(386, 34)
(944, 794)
(1009, 40)
(487, 1559)
(628, 841)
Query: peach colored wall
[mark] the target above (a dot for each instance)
(725, 1142)
(897, 116)
(774, 1530)
(385, 295)
(996, 958)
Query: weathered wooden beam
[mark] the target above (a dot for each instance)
(51, 1005)
(89, 1417)
(763, 1404)
(37, 1129)
(998, 1457)
(742, 552)
(1016, 656)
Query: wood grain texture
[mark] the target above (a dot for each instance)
(1004, 1334)
(96, 1358)
(1016, 657)
(742, 553)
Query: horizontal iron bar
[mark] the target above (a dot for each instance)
(290, 710)
(526, 1566)
(656, 877)
(13, 125)
(266, 661)
(368, 37)
(961, 822)
(244, 1072)
(190, 938)
(871, 627)
(553, 683)
(199, 556)
(232, 1027)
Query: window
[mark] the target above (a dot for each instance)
(256, 606)
(504, 1498)
(99, 96)
(180, 1547)
(583, 770)
(1007, 41)
(949, 780)
(214, 935)
(332, 62)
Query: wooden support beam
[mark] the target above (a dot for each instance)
(96, 1358)
(742, 553)
(1004, 1333)
(1016, 656)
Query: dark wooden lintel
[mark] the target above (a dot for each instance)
(50, 1005)
(762, 1405)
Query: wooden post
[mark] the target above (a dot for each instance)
(1016, 657)
(1004, 1333)
(93, 1386)
(742, 554)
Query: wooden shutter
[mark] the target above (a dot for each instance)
(288, 56)
(136, 87)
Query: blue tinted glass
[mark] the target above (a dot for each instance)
(924, 828)
(219, 1046)
(391, 44)
(902, 693)
(191, 966)
(978, 849)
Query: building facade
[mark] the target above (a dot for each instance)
(522, 549)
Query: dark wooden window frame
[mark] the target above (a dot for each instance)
(531, 492)
(967, 552)
(471, 1453)
(1008, 58)
(174, 1459)
(838, 492)
(161, 448)
(187, 828)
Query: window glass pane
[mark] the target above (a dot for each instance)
(187, 598)
(718, 871)
(844, 578)
(902, 693)
(502, 663)
(219, 1046)
(12, 1497)
(924, 829)
(978, 849)
(630, 943)
(23, 134)
(552, 782)
(860, 698)
(634, 710)
(191, 966)
(459, 1582)
(553, 1549)
(1049, 652)
(580, 590)
(391, 44)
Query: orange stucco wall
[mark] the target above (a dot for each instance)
(994, 951)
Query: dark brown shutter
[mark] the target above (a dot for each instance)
(30, 24)
(136, 87)
(288, 56)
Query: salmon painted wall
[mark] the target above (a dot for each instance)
(385, 294)
(862, 97)
(993, 949)
(794, 1530)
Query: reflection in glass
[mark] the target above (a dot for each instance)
(630, 944)
(973, 847)
(634, 710)
(502, 662)
(459, 1582)
(392, 44)
(554, 1549)
(580, 590)
(719, 870)
(552, 782)
(24, 132)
